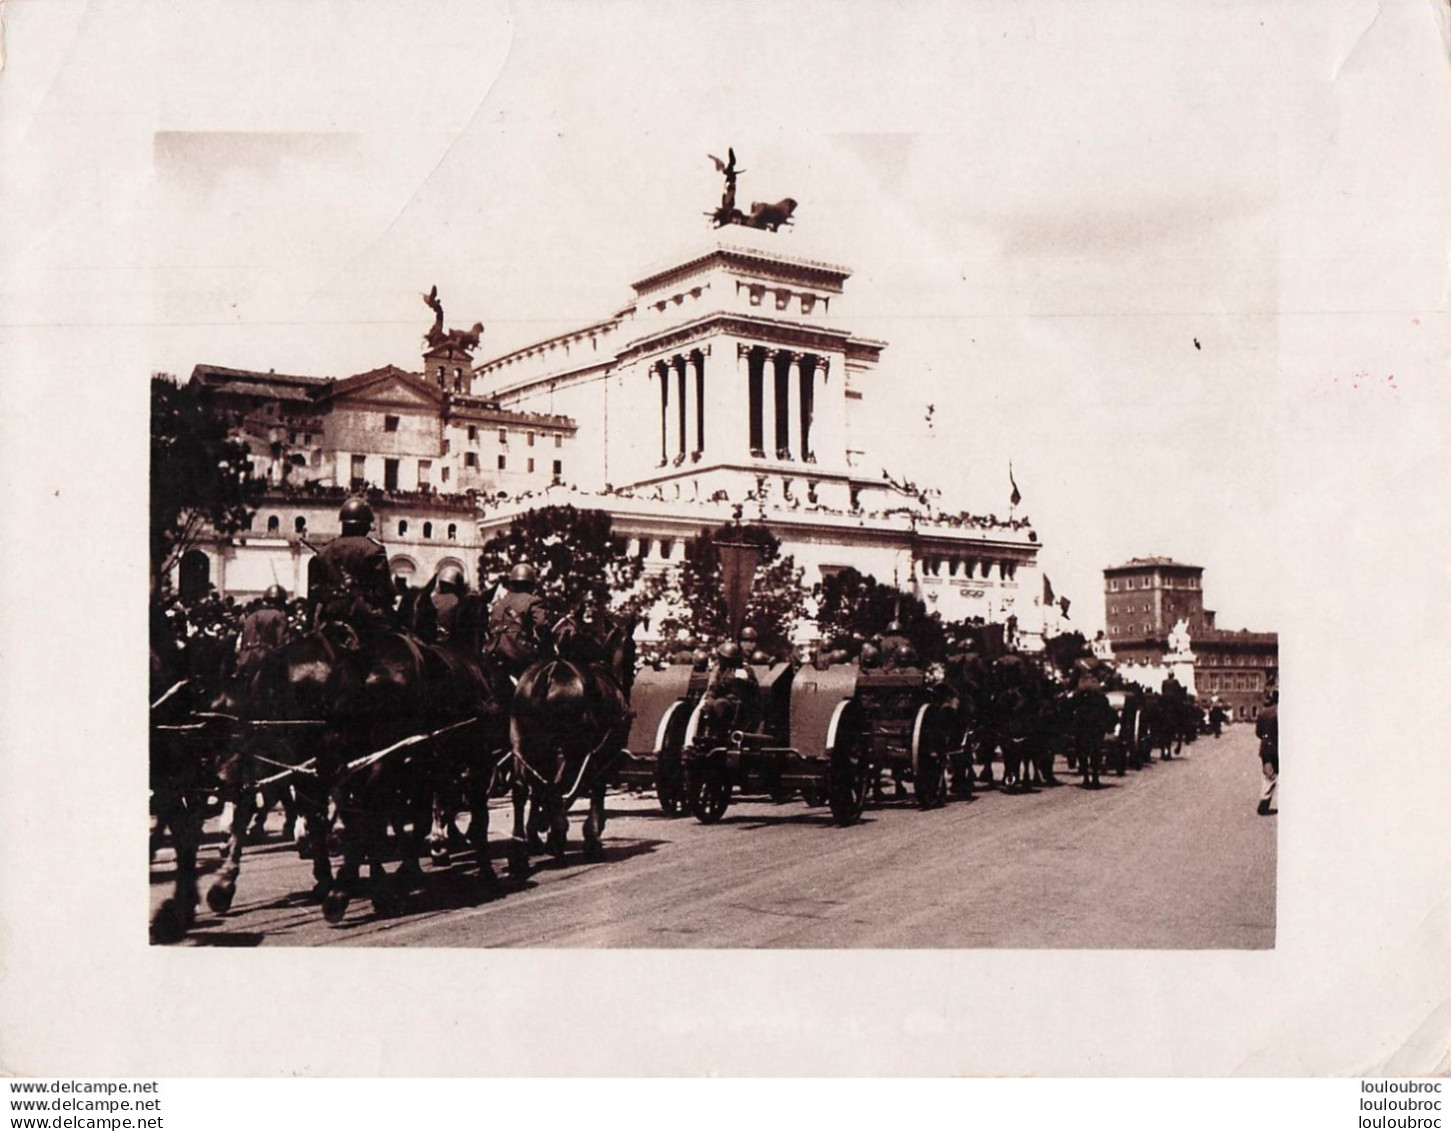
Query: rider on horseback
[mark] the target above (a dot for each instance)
(447, 596)
(355, 586)
(519, 622)
(263, 629)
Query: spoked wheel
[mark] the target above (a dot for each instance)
(929, 761)
(848, 774)
(710, 791)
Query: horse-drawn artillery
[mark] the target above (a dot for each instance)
(822, 733)
(662, 701)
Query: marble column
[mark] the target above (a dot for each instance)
(698, 358)
(793, 407)
(680, 384)
(664, 375)
(768, 404)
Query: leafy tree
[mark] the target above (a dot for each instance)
(201, 476)
(581, 565)
(696, 598)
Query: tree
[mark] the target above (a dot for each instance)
(696, 597)
(582, 566)
(201, 476)
(851, 603)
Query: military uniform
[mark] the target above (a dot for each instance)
(518, 628)
(1267, 730)
(356, 583)
(732, 699)
(445, 613)
(262, 630)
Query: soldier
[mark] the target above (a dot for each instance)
(355, 585)
(519, 621)
(732, 697)
(447, 596)
(263, 629)
(892, 643)
(1267, 730)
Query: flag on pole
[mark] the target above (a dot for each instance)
(1063, 604)
(1048, 597)
(1017, 496)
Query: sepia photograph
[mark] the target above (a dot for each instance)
(821, 487)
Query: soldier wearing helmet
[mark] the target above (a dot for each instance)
(871, 656)
(355, 583)
(732, 698)
(892, 643)
(519, 621)
(449, 588)
(263, 629)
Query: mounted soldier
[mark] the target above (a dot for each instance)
(263, 629)
(519, 622)
(447, 598)
(355, 586)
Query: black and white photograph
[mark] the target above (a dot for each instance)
(783, 518)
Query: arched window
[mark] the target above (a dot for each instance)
(273, 524)
(299, 524)
(428, 530)
(453, 532)
(402, 527)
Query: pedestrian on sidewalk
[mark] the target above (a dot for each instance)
(1267, 730)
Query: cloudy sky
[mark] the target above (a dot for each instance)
(1085, 230)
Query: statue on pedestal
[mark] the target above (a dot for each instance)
(1179, 638)
(766, 216)
(437, 337)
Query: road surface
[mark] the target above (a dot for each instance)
(1172, 856)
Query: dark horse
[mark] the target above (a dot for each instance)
(389, 724)
(570, 720)
(183, 771)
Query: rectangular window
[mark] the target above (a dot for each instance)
(360, 471)
(444, 473)
(473, 432)
(503, 435)
(471, 459)
(425, 470)
(530, 436)
(502, 463)
(558, 440)
(390, 475)
(390, 424)
(559, 467)
(531, 465)
(447, 446)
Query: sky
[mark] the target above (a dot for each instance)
(1069, 221)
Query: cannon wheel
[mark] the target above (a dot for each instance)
(710, 790)
(929, 763)
(670, 766)
(848, 772)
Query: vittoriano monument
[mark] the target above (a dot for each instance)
(767, 216)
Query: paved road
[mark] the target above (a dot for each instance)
(1172, 856)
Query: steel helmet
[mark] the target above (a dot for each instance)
(276, 596)
(759, 657)
(748, 634)
(451, 579)
(895, 626)
(906, 656)
(700, 660)
(356, 512)
(871, 656)
(730, 653)
(523, 574)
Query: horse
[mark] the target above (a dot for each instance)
(182, 774)
(568, 725)
(1091, 720)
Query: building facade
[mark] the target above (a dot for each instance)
(731, 386)
(422, 450)
(1144, 598)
